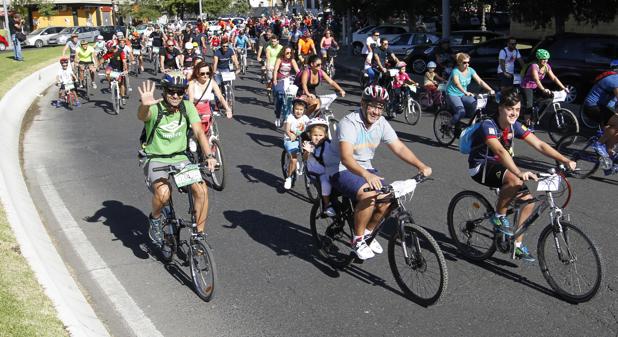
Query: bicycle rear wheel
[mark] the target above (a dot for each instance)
(422, 275)
(218, 175)
(412, 111)
(170, 245)
(332, 237)
(468, 224)
(444, 132)
(203, 269)
(562, 123)
(579, 149)
(565, 257)
(332, 127)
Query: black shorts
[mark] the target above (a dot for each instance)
(493, 175)
(599, 114)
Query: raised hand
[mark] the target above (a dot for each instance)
(146, 93)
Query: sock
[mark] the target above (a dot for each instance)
(356, 239)
(517, 244)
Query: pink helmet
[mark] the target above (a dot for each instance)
(375, 93)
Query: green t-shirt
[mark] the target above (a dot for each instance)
(171, 133)
(272, 54)
(85, 55)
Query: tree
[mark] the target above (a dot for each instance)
(46, 9)
(240, 7)
(148, 10)
(541, 13)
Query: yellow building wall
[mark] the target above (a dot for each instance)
(65, 18)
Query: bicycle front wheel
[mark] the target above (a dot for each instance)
(116, 99)
(412, 111)
(561, 123)
(579, 149)
(203, 269)
(218, 175)
(570, 262)
(468, 224)
(418, 264)
(332, 236)
(442, 129)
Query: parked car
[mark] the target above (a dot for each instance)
(108, 31)
(578, 58)
(403, 42)
(484, 57)
(40, 37)
(4, 44)
(461, 41)
(83, 33)
(386, 31)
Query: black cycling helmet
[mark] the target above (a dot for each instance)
(174, 82)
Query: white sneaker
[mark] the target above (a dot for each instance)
(363, 251)
(375, 246)
(94, 85)
(288, 183)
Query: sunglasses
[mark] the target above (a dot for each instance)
(178, 93)
(317, 64)
(205, 73)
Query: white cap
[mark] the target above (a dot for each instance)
(188, 45)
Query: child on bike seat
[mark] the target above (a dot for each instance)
(320, 156)
(294, 126)
(431, 81)
(402, 78)
(65, 76)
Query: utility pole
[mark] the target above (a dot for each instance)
(200, 9)
(446, 18)
(6, 23)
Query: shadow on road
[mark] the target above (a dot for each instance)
(266, 140)
(255, 175)
(127, 223)
(256, 122)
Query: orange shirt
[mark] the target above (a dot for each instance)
(305, 47)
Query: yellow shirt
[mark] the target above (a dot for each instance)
(85, 55)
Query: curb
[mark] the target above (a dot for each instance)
(36, 246)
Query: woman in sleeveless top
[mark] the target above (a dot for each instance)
(310, 79)
(202, 90)
(327, 41)
(285, 66)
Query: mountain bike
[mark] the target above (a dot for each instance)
(414, 256)
(70, 96)
(578, 148)
(560, 121)
(310, 180)
(426, 100)
(329, 65)
(242, 53)
(86, 83)
(200, 255)
(446, 133)
(565, 253)
(407, 105)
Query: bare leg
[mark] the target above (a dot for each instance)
(200, 201)
(160, 197)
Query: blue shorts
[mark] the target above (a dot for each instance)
(291, 147)
(348, 183)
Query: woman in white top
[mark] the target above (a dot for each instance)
(202, 90)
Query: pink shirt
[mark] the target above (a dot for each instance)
(528, 82)
(400, 79)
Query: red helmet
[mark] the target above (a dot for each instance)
(375, 93)
(109, 44)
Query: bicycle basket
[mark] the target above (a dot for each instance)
(327, 100)
(559, 96)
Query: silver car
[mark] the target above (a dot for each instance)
(40, 37)
(83, 33)
(400, 44)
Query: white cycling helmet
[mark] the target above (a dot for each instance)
(119, 34)
(100, 38)
(431, 64)
(188, 45)
(316, 121)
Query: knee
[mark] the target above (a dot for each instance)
(199, 191)
(162, 191)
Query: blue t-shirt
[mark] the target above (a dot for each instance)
(451, 88)
(224, 59)
(242, 41)
(602, 92)
(491, 129)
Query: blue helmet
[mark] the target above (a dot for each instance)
(174, 82)
(613, 64)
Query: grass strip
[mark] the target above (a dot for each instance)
(34, 59)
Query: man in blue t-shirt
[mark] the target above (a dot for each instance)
(360, 133)
(600, 106)
(222, 60)
(491, 163)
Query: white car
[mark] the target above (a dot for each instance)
(40, 37)
(389, 32)
(83, 33)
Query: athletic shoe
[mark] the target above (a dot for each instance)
(330, 211)
(216, 113)
(154, 231)
(502, 224)
(601, 150)
(374, 245)
(288, 183)
(362, 250)
(94, 85)
(523, 253)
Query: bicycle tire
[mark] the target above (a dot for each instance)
(218, 176)
(445, 135)
(412, 112)
(417, 237)
(578, 149)
(587, 121)
(285, 163)
(562, 123)
(565, 238)
(214, 128)
(331, 237)
(116, 98)
(470, 226)
(203, 269)
(333, 124)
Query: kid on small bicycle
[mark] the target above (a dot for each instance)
(320, 156)
(294, 126)
(402, 78)
(431, 81)
(65, 76)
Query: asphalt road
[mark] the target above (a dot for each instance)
(272, 282)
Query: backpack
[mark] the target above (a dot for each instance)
(465, 138)
(145, 140)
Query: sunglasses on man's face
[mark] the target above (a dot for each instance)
(178, 93)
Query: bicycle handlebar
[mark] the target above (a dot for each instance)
(419, 178)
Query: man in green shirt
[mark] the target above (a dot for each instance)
(167, 146)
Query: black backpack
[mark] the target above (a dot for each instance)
(145, 140)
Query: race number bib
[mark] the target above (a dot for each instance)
(189, 175)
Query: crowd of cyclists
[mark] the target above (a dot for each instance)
(291, 72)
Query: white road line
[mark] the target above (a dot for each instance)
(133, 316)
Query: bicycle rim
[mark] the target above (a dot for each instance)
(412, 112)
(285, 163)
(576, 272)
(332, 237)
(312, 190)
(422, 276)
(579, 149)
(469, 226)
(332, 127)
(562, 123)
(203, 269)
(218, 176)
(445, 134)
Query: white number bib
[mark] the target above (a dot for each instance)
(189, 175)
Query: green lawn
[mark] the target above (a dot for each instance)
(34, 58)
(25, 310)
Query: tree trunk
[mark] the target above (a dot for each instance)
(559, 20)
